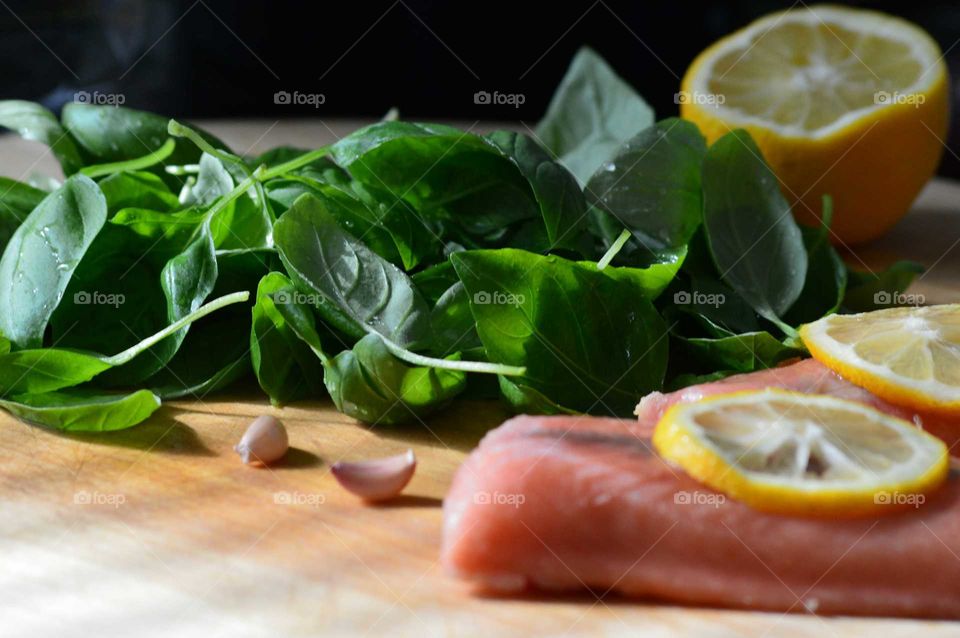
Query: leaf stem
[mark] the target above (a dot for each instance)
(463, 366)
(613, 250)
(148, 160)
(295, 163)
(199, 313)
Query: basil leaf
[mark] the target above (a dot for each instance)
(371, 385)
(284, 365)
(558, 319)
(652, 185)
(745, 352)
(871, 291)
(356, 290)
(17, 200)
(77, 411)
(32, 121)
(756, 245)
(137, 189)
(591, 114)
(41, 256)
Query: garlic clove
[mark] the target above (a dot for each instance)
(376, 479)
(265, 441)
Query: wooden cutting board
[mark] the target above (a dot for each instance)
(160, 530)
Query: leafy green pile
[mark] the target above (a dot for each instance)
(573, 270)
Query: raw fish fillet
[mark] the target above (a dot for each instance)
(571, 503)
(809, 376)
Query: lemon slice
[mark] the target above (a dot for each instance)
(827, 93)
(795, 453)
(909, 356)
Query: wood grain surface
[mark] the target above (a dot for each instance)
(161, 531)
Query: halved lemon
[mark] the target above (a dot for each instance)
(909, 356)
(794, 453)
(845, 102)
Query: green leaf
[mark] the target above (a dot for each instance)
(756, 245)
(871, 291)
(32, 121)
(589, 339)
(745, 352)
(77, 411)
(137, 164)
(285, 366)
(591, 114)
(825, 285)
(558, 195)
(356, 290)
(523, 399)
(137, 189)
(371, 385)
(652, 185)
(17, 200)
(41, 256)
(453, 327)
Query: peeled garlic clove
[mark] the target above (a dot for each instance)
(265, 441)
(377, 479)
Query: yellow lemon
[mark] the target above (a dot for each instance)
(909, 356)
(845, 102)
(802, 454)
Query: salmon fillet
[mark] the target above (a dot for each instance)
(567, 503)
(808, 376)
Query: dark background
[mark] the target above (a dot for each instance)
(203, 58)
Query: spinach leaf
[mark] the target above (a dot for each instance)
(16, 201)
(652, 185)
(745, 352)
(46, 369)
(591, 114)
(32, 121)
(77, 411)
(371, 385)
(756, 245)
(523, 399)
(355, 289)
(41, 256)
(213, 181)
(447, 175)
(169, 228)
(558, 195)
(285, 366)
(137, 189)
(872, 291)
(588, 338)
(114, 134)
